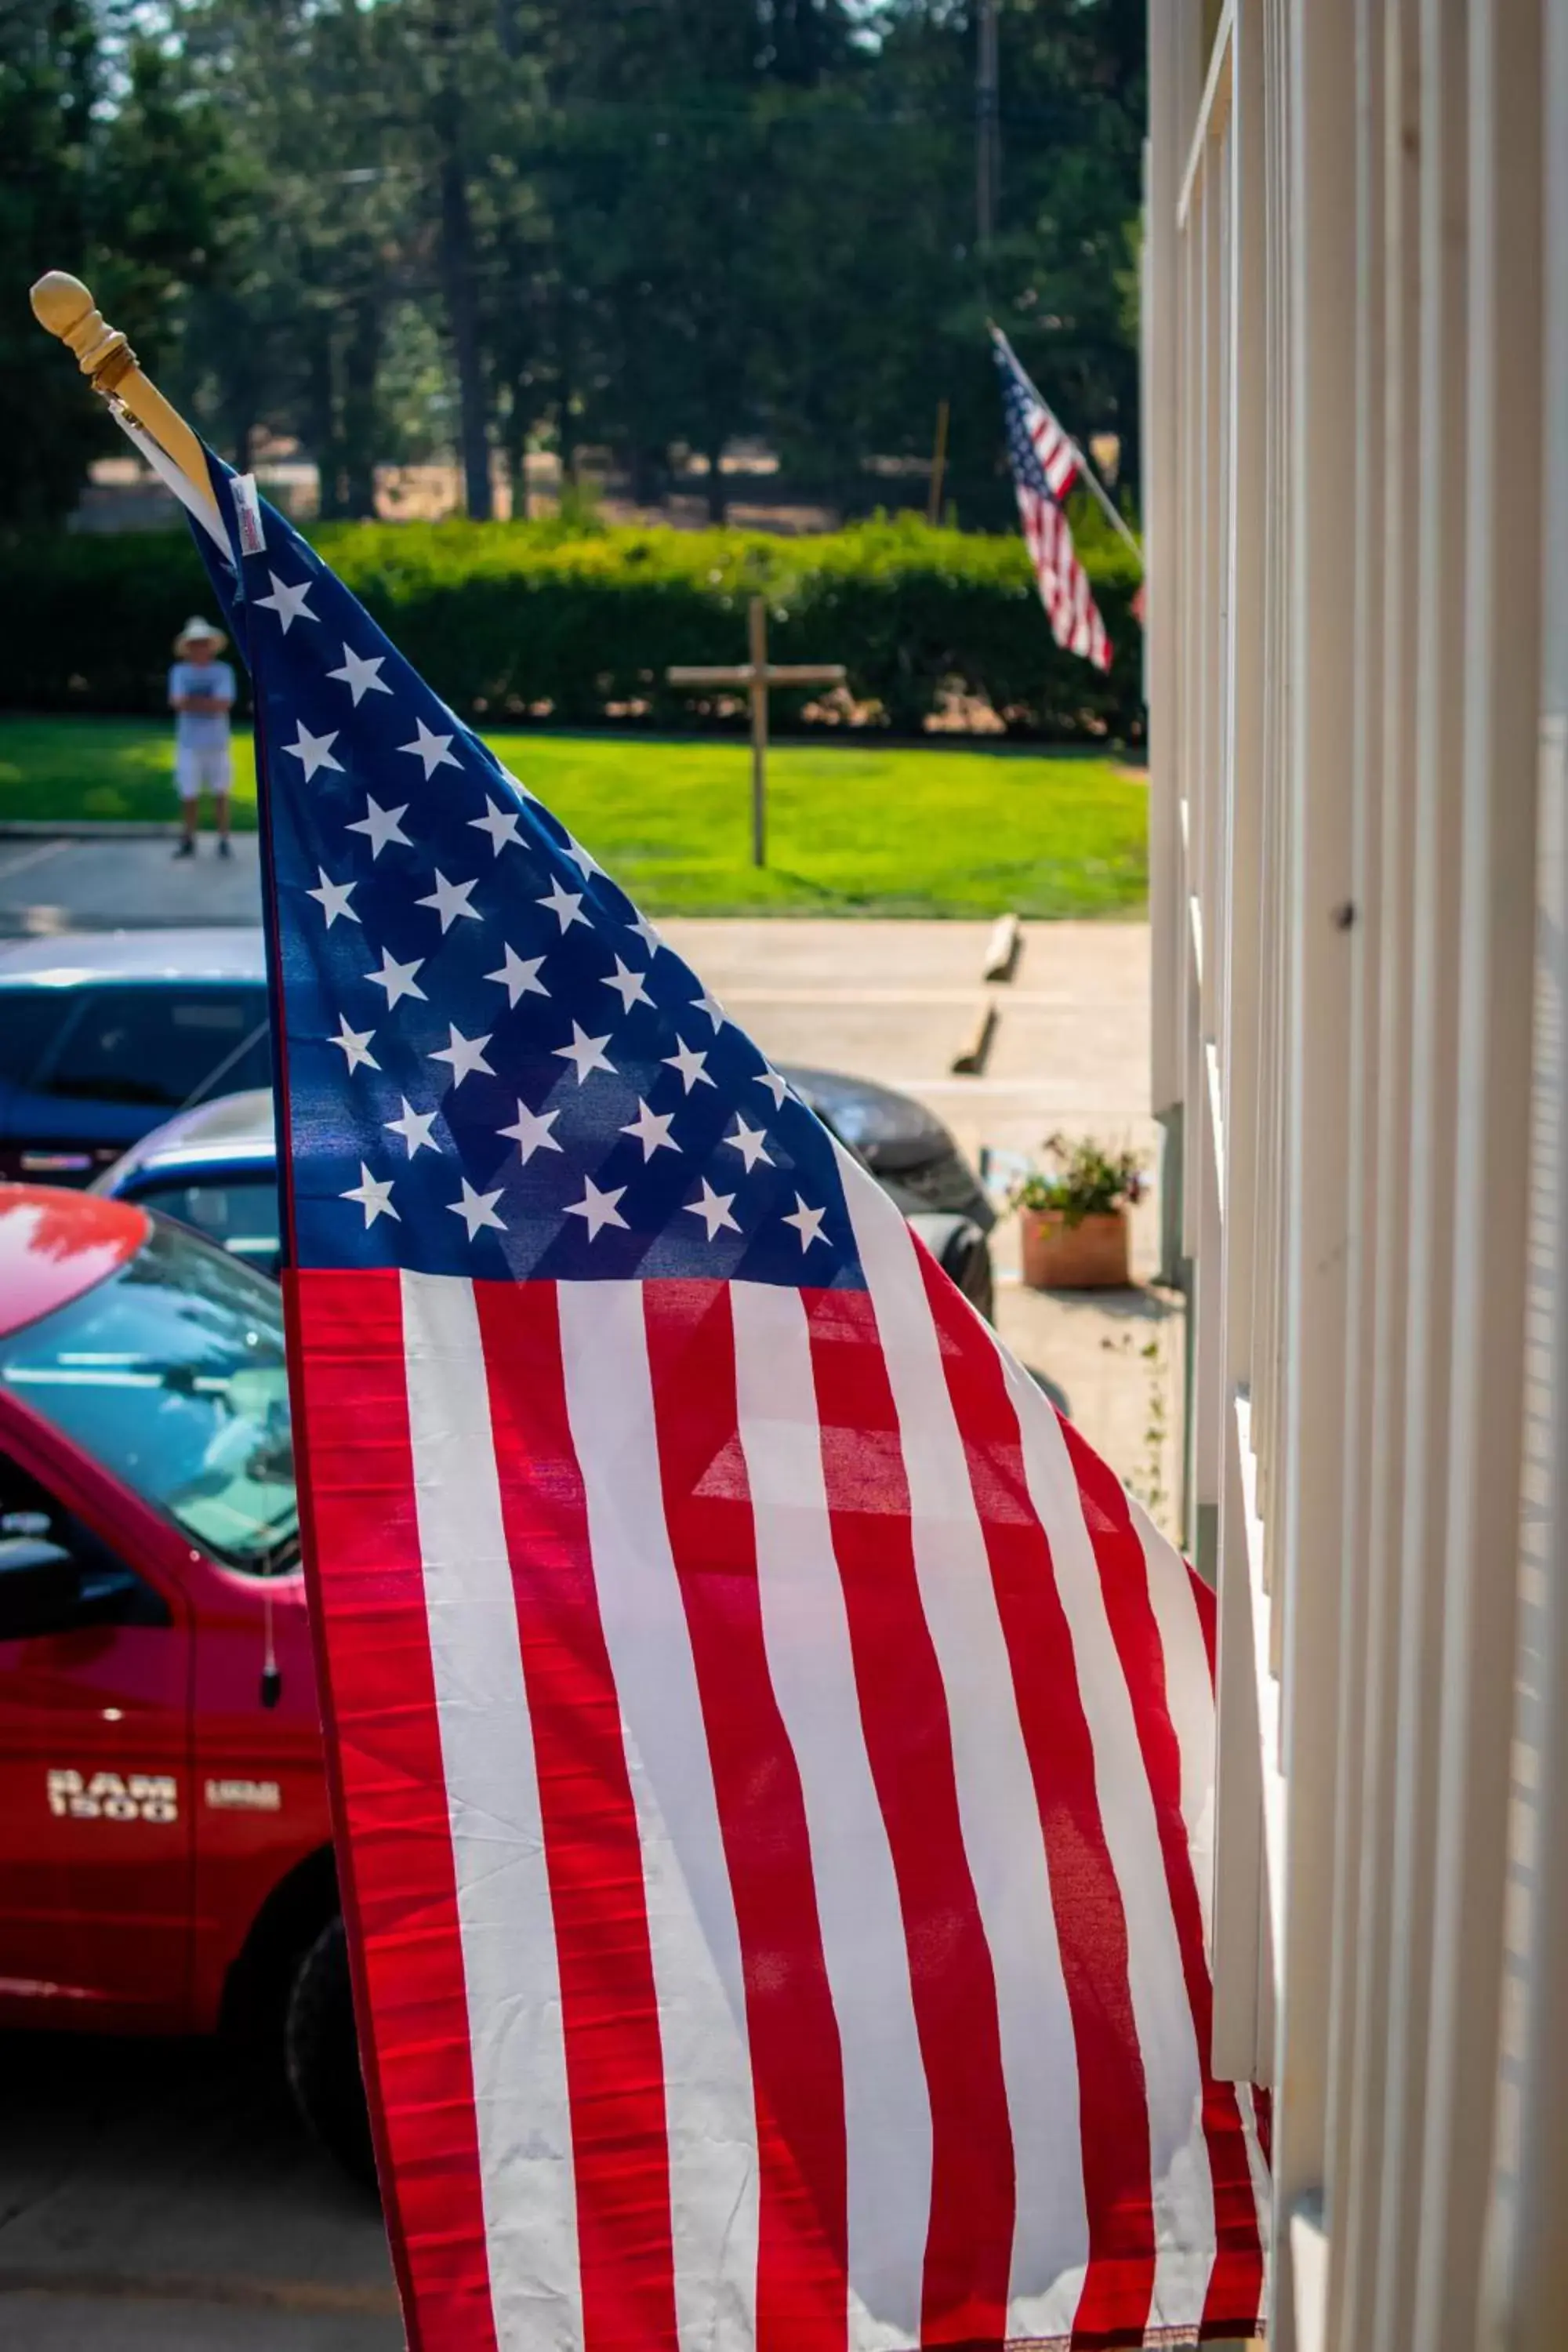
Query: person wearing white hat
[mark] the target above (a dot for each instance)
(201, 696)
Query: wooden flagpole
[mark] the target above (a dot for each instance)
(65, 307)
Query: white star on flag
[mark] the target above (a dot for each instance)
(629, 985)
(689, 1063)
(380, 825)
(288, 602)
(414, 1126)
(374, 1198)
(432, 751)
(807, 1224)
(565, 906)
(464, 1053)
(450, 901)
(597, 1209)
(748, 1142)
(713, 1208)
(713, 1009)
(531, 1131)
(334, 898)
(354, 1045)
(397, 978)
(778, 1088)
(499, 823)
(360, 673)
(582, 860)
(647, 933)
(313, 751)
(585, 1053)
(477, 1209)
(518, 975)
(651, 1128)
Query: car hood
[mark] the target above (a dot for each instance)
(888, 1129)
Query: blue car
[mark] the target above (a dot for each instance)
(103, 1034)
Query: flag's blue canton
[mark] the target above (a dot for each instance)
(1019, 409)
(494, 1064)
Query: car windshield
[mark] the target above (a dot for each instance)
(171, 1373)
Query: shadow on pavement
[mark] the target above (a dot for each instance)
(162, 2193)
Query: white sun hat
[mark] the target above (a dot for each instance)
(196, 629)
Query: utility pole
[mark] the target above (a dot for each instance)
(987, 141)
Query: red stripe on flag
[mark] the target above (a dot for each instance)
(903, 1711)
(615, 2067)
(1263, 2121)
(394, 1841)
(1236, 2282)
(1086, 1899)
(796, 2062)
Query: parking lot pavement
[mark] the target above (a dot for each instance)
(58, 884)
(151, 2194)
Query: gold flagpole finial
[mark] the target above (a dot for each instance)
(63, 305)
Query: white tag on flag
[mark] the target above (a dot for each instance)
(248, 514)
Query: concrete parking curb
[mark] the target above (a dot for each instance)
(196, 2287)
(86, 828)
(1002, 951)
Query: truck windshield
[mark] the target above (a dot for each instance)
(171, 1373)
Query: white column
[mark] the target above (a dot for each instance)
(1492, 1058)
(1531, 2273)
(1358, 2198)
(1242, 2017)
(1320, 665)
(1367, 1076)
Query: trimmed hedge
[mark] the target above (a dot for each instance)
(505, 618)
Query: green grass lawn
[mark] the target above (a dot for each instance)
(853, 828)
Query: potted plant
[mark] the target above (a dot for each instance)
(1072, 1216)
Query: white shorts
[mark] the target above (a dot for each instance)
(201, 768)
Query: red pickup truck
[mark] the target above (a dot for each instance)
(165, 1854)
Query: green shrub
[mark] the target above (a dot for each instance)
(506, 618)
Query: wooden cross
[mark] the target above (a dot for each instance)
(756, 675)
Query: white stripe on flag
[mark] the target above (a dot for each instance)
(694, 1940)
(1187, 1694)
(504, 1915)
(195, 497)
(1257, 2169)
(996, 1786)
(1183, 2189)
(805, 1629)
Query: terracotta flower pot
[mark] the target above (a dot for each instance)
(1089, 1255)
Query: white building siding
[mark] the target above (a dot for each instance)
(1353, 377)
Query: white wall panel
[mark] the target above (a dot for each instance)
(1352, 385)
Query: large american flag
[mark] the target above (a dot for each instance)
(1045, 464)
(771, 1755)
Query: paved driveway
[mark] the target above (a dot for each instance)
(150, 2195)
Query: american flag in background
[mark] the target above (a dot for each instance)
(770, 1749)
(1045, 464)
